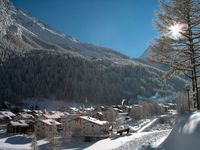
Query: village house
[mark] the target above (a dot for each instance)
(67, 117)
(24, 116)
(3, 122)
(171, 106)
(44, 126)
(87, 127)
(5, 118)
(37, 113)
(164, 107)
(72, 110)
(8, 114)
(20, 127)
(55, 115)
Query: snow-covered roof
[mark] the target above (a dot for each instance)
(89, 109)
(19, 123)
(100, 113)
(74, 108)
(171, 104)
(7, 113)
(50, 122)
(136, 106)
(58, 113)
(26, 110)
(69, 117)
(65, 113)
(94, 120)
(37, 111)
(51, 116)
(26, 116)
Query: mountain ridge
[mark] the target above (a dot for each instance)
(39, 62)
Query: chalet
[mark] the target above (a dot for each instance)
(43, 126)
(5, 118)
(171, 106)
(66, 118)
(3, 122)
(87, 127)
(52, 115)
(72, 110)
(20, 127)
(24, 116)
(8, 114)
(37, 114)
(164, 109)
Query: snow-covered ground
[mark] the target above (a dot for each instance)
(134, 141)
(185, 135)
(18, 142)
(136, 125)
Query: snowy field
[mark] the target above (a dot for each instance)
(18, 142)
(132, 141)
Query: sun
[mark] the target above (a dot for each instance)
(175, 30)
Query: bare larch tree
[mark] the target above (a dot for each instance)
(178, 45)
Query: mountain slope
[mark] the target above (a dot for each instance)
(39, 62)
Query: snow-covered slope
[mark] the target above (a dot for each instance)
(185, 135)
(25, 26)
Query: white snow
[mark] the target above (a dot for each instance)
(133, 141)
(51, 116)
(26, 115)
(19, 123)
(185, 135)
(8, 114)
(147, 126)
(94, 120)
(17, 142)
(50, 122)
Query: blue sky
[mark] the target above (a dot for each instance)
(123, 25)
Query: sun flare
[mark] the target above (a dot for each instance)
(175, 30)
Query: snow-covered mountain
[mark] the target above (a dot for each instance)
(148, 57)
(39, 62)
(27, 27)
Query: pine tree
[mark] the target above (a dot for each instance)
(179, 42)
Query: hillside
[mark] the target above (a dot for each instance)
(149, 57)
(39, 62)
